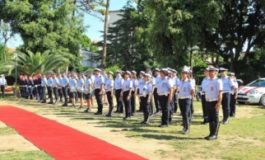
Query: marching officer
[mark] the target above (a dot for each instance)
(227, 88)
(64, 82)
(233, 95)
(156, 78)
(134, 90)
(2, 85)
(126, 94)
(186, 92)
(203, 87)
(99, 89)
(72, 88)
(44, 83)
(109, 91)
(49, 88)
(117, 86)
(165, 95)
(145, 94)
(213, 97)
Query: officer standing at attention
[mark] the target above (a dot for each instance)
(233, 95)
(227, 88)
(213, 97)
(165, 95)
(44, 83)
(186, 92)
(155, 82)
(193, 82)
(117, 86)
(109, 91)
(65, 84)
(203, 87)
(72, 88)
(145, 93)
(99, 90)
(2, 85)
(49, 88)
(126, 94)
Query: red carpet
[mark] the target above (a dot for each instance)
(60, 141)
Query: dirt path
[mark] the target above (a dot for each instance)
(151, 148)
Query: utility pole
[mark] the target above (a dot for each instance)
(104, 54)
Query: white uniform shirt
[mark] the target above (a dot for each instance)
(135, 84)
(80, 85)
(227, 84)
(213, 87)
(2, 81)
(87, 86)
(64, 81)
(164, 86)
(55, 82)
(235, 85)
(127, 85)
(185, 88)
(118, 83)
(72, 84)
(145, 89)
(109, 85)
(98, 81)
(50, 82)
(204, 85)
(44, 81)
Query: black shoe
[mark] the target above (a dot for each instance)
(64, 105)
(186, 131)
(211, 138)
(204, 122)
(85, 111)
(207, 137)
(97, 113)
(225, 122)
(43, 101)
(50, 103)
(126, 118)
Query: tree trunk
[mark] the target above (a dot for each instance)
(104, 54)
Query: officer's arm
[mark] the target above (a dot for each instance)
(170, 94)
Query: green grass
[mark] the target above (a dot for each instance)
(242, 138)
(6, 131)
(27, 155)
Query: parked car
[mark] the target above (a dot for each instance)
(252, 93)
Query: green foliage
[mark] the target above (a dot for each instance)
(30, 63)
(5, 60)
(45, 26)
(113, 68)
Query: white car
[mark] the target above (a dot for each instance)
(253, 93)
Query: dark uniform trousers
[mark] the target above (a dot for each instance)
(99, 100)
(157, 105)
(163, 100)
(110, 101)
(119, 101)
(39, 89)
(55, 92)
(226, 105)
(175, 99)
(60, 93)
(233, 105)
(185, 105)
(213, 117)
(127, 104)
(2, 90)
(146, 107)
(65, 95)
(49, 89)
(133, 101)
(204, 109)
(43, 94)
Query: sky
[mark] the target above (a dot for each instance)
(93, 31)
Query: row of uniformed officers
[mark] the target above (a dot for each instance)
(167, 90)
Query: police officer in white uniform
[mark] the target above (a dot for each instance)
(44, 83)
(165, 95)
(2, 84)
(49, 88)
(109, 86)
(99, 90)
(145, 94)
(227, 89)
(186, 92)
(233, 95)
(213, 97)
(156, 78)
(203, 87)
(64, 82)
(126, 94)
(117, 86)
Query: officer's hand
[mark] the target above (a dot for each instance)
(217, 106)
(128, 98)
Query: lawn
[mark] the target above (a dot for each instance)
(242, 138)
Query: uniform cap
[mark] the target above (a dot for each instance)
(185, 69)
(231, 74)
(134, 72)
(97, 69)
(156, 69)
(110, 72)
(147, 75)
(142, 72)
(127, 72)
(222, 69)
(211, 68)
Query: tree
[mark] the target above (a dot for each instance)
(45, 26)
(104, 53)
(239, 32)
(32, 63)
(5, 35)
